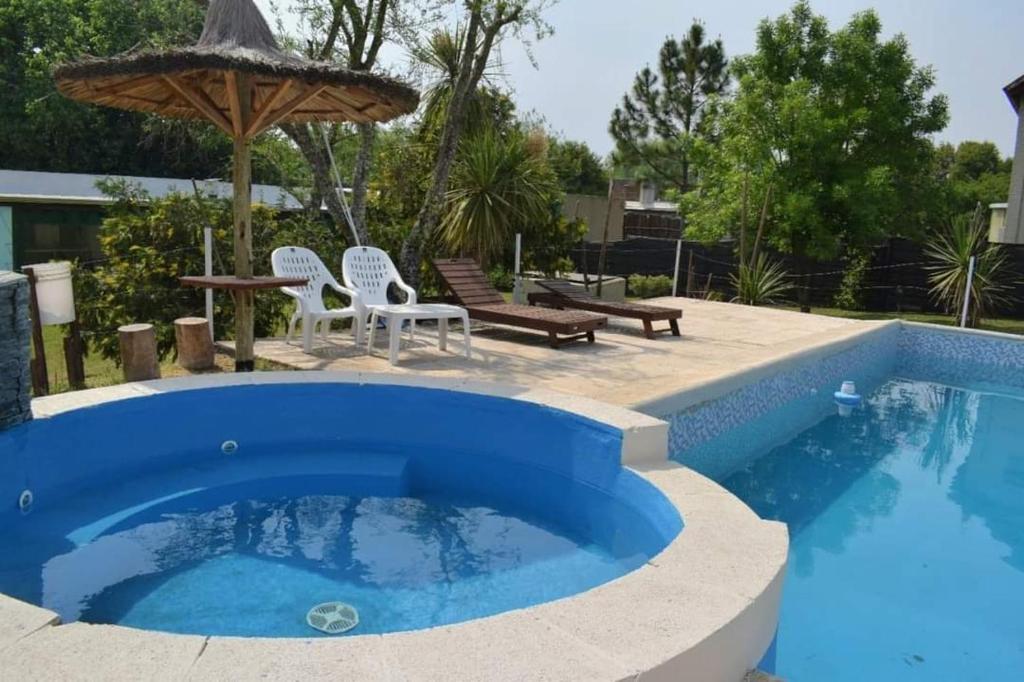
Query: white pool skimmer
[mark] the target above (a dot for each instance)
(333, 617)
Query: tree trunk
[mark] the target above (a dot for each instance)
(471, 67)
(361, 179)
(193, 343)
(139, 360)
(430, 213)
(323, 183)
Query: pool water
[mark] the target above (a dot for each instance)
(251, 558)
(907, 537)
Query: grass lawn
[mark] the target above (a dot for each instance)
(1004, 325)
(100, 371)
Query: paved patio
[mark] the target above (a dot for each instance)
(622, 367)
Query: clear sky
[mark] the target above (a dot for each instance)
(586, 66)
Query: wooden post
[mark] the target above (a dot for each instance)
(192, 340)
(604, 238)
(675, 272)
(691, 276)
(518, 295)
(586, 269)
(241, 180)
(73, 356)
(138, 352)
(208, 271)
(40, 375)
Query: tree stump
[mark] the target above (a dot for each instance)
(192, 339)
(138, 352)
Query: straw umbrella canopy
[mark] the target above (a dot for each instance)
(237, 78)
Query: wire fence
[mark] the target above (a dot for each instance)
(894, 277)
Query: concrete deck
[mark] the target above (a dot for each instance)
(622, 367)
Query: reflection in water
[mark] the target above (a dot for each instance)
(990, 483)
(197, 563)
(907, 537)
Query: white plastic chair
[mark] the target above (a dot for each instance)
(369, 272)
(296, 261)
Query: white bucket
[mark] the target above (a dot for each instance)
(54, 292)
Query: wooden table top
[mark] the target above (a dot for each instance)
(239, 284)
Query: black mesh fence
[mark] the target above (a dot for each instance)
(894, 279)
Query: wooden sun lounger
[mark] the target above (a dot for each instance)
(562, 294)
(475, 293)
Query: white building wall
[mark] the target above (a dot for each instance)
(1013, 232)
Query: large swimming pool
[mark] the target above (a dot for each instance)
(907, 536)
(234, 511)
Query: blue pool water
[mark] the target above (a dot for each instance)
(410, 525)
(907, 537)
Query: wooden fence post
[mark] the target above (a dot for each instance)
(40, 374)
(74, 350)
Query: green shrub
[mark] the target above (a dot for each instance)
(502, 278)
(547, 244)
(851, 291)
(649, 286)
(148, 243)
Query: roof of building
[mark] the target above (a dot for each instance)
(660, 206)
(35, 187)
(1015, 93)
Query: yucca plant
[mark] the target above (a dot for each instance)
(760, 282)
(497, 187)
(952, 252)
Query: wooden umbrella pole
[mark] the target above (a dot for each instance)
(241, 110)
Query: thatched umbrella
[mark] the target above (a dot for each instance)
(237, 78)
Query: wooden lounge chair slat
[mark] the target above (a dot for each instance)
(473, 290)
(561, 294)
(467, 279)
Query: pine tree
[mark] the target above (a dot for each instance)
(655, 123)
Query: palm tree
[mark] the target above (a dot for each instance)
(498, 186)
(952, 253)
(440, 56)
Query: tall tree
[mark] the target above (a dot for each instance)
(486, 107)
(837, 123)
(578, 169)
(41, 130)
(654, 125)
(485, 22)
(353, 33)
(971, 173)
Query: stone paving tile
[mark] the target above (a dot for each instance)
(623, 367)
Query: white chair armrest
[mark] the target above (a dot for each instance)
(410, 292)
(299, 298)
(344, 291)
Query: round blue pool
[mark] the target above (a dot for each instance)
(234, 510)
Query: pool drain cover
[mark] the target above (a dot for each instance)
(333, 617)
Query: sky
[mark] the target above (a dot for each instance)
(583, 70)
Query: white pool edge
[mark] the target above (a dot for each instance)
(643, 437)
(706, 608)
(722, 385)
